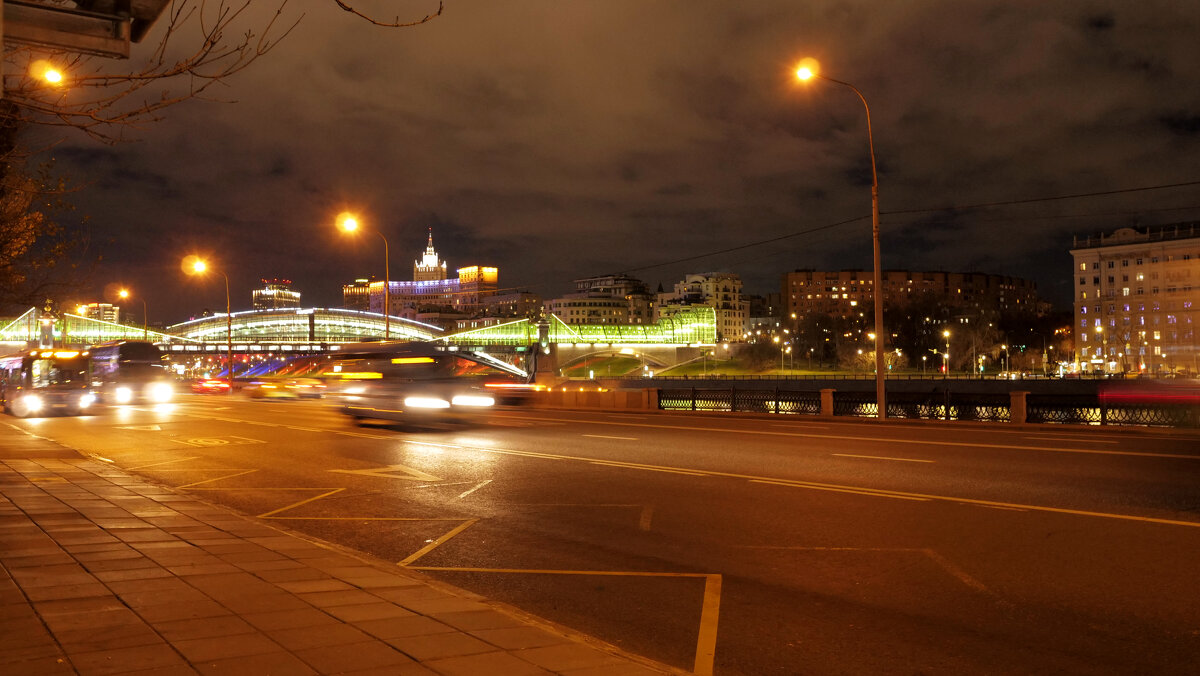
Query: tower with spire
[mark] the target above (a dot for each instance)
(429, 267)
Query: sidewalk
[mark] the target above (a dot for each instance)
(102, 572)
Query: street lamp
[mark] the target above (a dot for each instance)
(348, 222)
(1103, 350)
(194, 265)
(807, 70)
(123, 294)
(946, 354)
(1005, 348)
(47, 72)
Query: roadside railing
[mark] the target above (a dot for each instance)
(944, 405)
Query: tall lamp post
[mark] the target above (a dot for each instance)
(348, 222)
(194, 265)
(809, 69)
(123, 294)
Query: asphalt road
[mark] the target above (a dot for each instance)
(735, 545)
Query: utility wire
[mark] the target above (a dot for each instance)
(962, 207)
(1043, 199)
(747, 246)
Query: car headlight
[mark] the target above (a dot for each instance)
(123, 395)
(425, 402)
(160, 393)
(87, 400)
(32, 402)
(473, 400)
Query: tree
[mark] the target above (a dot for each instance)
(203, 43)
(39, 257)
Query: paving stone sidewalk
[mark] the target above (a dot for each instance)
(102, 572)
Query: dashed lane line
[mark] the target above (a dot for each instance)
(479, 485)
(879, 457)
(846, 489)
(889, 440)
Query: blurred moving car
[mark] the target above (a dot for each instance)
(289, 388)
(210, 386)
(417, 383)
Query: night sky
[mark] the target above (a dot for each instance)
(559, 140)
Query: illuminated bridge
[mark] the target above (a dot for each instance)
(317, 330)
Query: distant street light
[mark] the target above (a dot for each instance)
(194, 265)
(124, 294)
(348, 222)
(946, 355)
(807, 70)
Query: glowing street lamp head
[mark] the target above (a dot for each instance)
(347, 221)
(123, 294)
(807, 69)
(45, 71)
(194, 265)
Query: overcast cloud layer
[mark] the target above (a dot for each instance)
(564, 139)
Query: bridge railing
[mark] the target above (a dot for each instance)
(946, 405)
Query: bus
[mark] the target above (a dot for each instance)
(417, 383)
(41, 382)
(131, 371)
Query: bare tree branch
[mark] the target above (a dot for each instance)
(204, 42)
(392, 24)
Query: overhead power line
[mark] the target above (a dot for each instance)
(961, 207)
(1033, 200)
(747, 246)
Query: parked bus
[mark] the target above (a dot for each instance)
(45, 381)
(131, 371)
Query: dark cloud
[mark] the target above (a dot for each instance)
(558, 140)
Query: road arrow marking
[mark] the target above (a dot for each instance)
(392, 472)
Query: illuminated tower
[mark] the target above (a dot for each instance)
(429, 267)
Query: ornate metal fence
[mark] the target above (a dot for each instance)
(735, 400)
(939, 405)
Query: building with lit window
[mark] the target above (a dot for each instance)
(102, 311)
(1135, 299)
(721, 291)
(357, 294)
(844, 293)
(608, 299)
(276, 293)
(429, 267)
(431, 293)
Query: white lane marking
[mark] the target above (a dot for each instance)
(878, 457)
(1069, 438)
(890, 440)
(392, 472)
(481, 484)
(604, 436)
(836, 489)
(647, 515)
